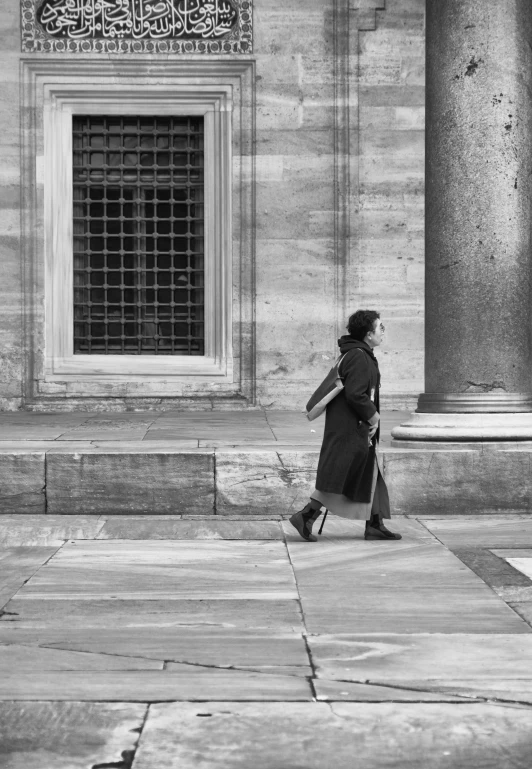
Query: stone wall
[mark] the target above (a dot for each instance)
(304, 286)
(297, 319)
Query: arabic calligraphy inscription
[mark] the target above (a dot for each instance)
(179, 26)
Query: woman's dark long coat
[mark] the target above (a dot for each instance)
(346, 460)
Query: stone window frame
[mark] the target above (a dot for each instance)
(222, 92)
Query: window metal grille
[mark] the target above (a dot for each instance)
(138, 235)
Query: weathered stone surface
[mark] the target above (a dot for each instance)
(212, 736)
(187, 529)
(22, 482)
(72, 735)
(162, 569)
(518, 559)
(18, 564)
(28, 659)
(348, 562)
(203, 645)
(258, 481)
(347, 691)
(155, 482)
(417, 658)
(190, 684)
(523, 608)
(492, 569)
(295, 119)
(46, 529)
(478, 265)
(283, 616)
(438, 481)
(418, 610)
(483, 532)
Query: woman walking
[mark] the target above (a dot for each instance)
(349, 482)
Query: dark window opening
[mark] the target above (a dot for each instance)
(138, 235)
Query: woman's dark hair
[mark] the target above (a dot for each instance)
(360, 322)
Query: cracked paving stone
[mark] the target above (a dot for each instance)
(195, 645)
(32, 658)
(229, 735)
(350, 691)
(190, 684)
(67, 735)
(389, 657)
(17, 565)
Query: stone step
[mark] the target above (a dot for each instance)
(166, 479)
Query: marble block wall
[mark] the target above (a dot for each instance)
(297, 317)
(299, 306)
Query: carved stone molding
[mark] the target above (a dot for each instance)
(349, 18)
(42, 78)
(137, 26)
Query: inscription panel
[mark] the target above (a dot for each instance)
(137, 26)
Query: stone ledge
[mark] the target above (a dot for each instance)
(133, 482)
(243, 481)
(22, 482)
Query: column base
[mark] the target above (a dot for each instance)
(474, 403)
(463, 428)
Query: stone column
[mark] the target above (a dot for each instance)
(478, 223)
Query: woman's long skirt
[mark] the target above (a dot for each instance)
(346, 508)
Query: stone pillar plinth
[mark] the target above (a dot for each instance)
(478, 223)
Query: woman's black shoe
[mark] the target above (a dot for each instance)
(303, 520)
(380, 532)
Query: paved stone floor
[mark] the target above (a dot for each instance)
(177, 429)
(176, 642)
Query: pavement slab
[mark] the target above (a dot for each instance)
(393, 657)
(202, 645)
(46, 529)
(195, 684)
(233, 614)
(254, 648)
(483, 531)
(415, 735)
(494, 570)
(401, 564)
(68, 735)
(165, 569)
(186, 529)
(418, 610)
(349, 691)
(28, 659)
(518, 558)
(17, 565)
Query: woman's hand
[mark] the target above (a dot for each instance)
(373, 424)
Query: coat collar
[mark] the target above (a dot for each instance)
(347, 343)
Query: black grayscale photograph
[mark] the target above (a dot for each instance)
(266, 384)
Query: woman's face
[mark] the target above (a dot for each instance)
(375, 337)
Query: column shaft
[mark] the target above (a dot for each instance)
(478, 206)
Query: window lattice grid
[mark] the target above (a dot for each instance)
(138, 235)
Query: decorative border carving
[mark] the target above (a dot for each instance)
(238, 40)
(350, 17)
